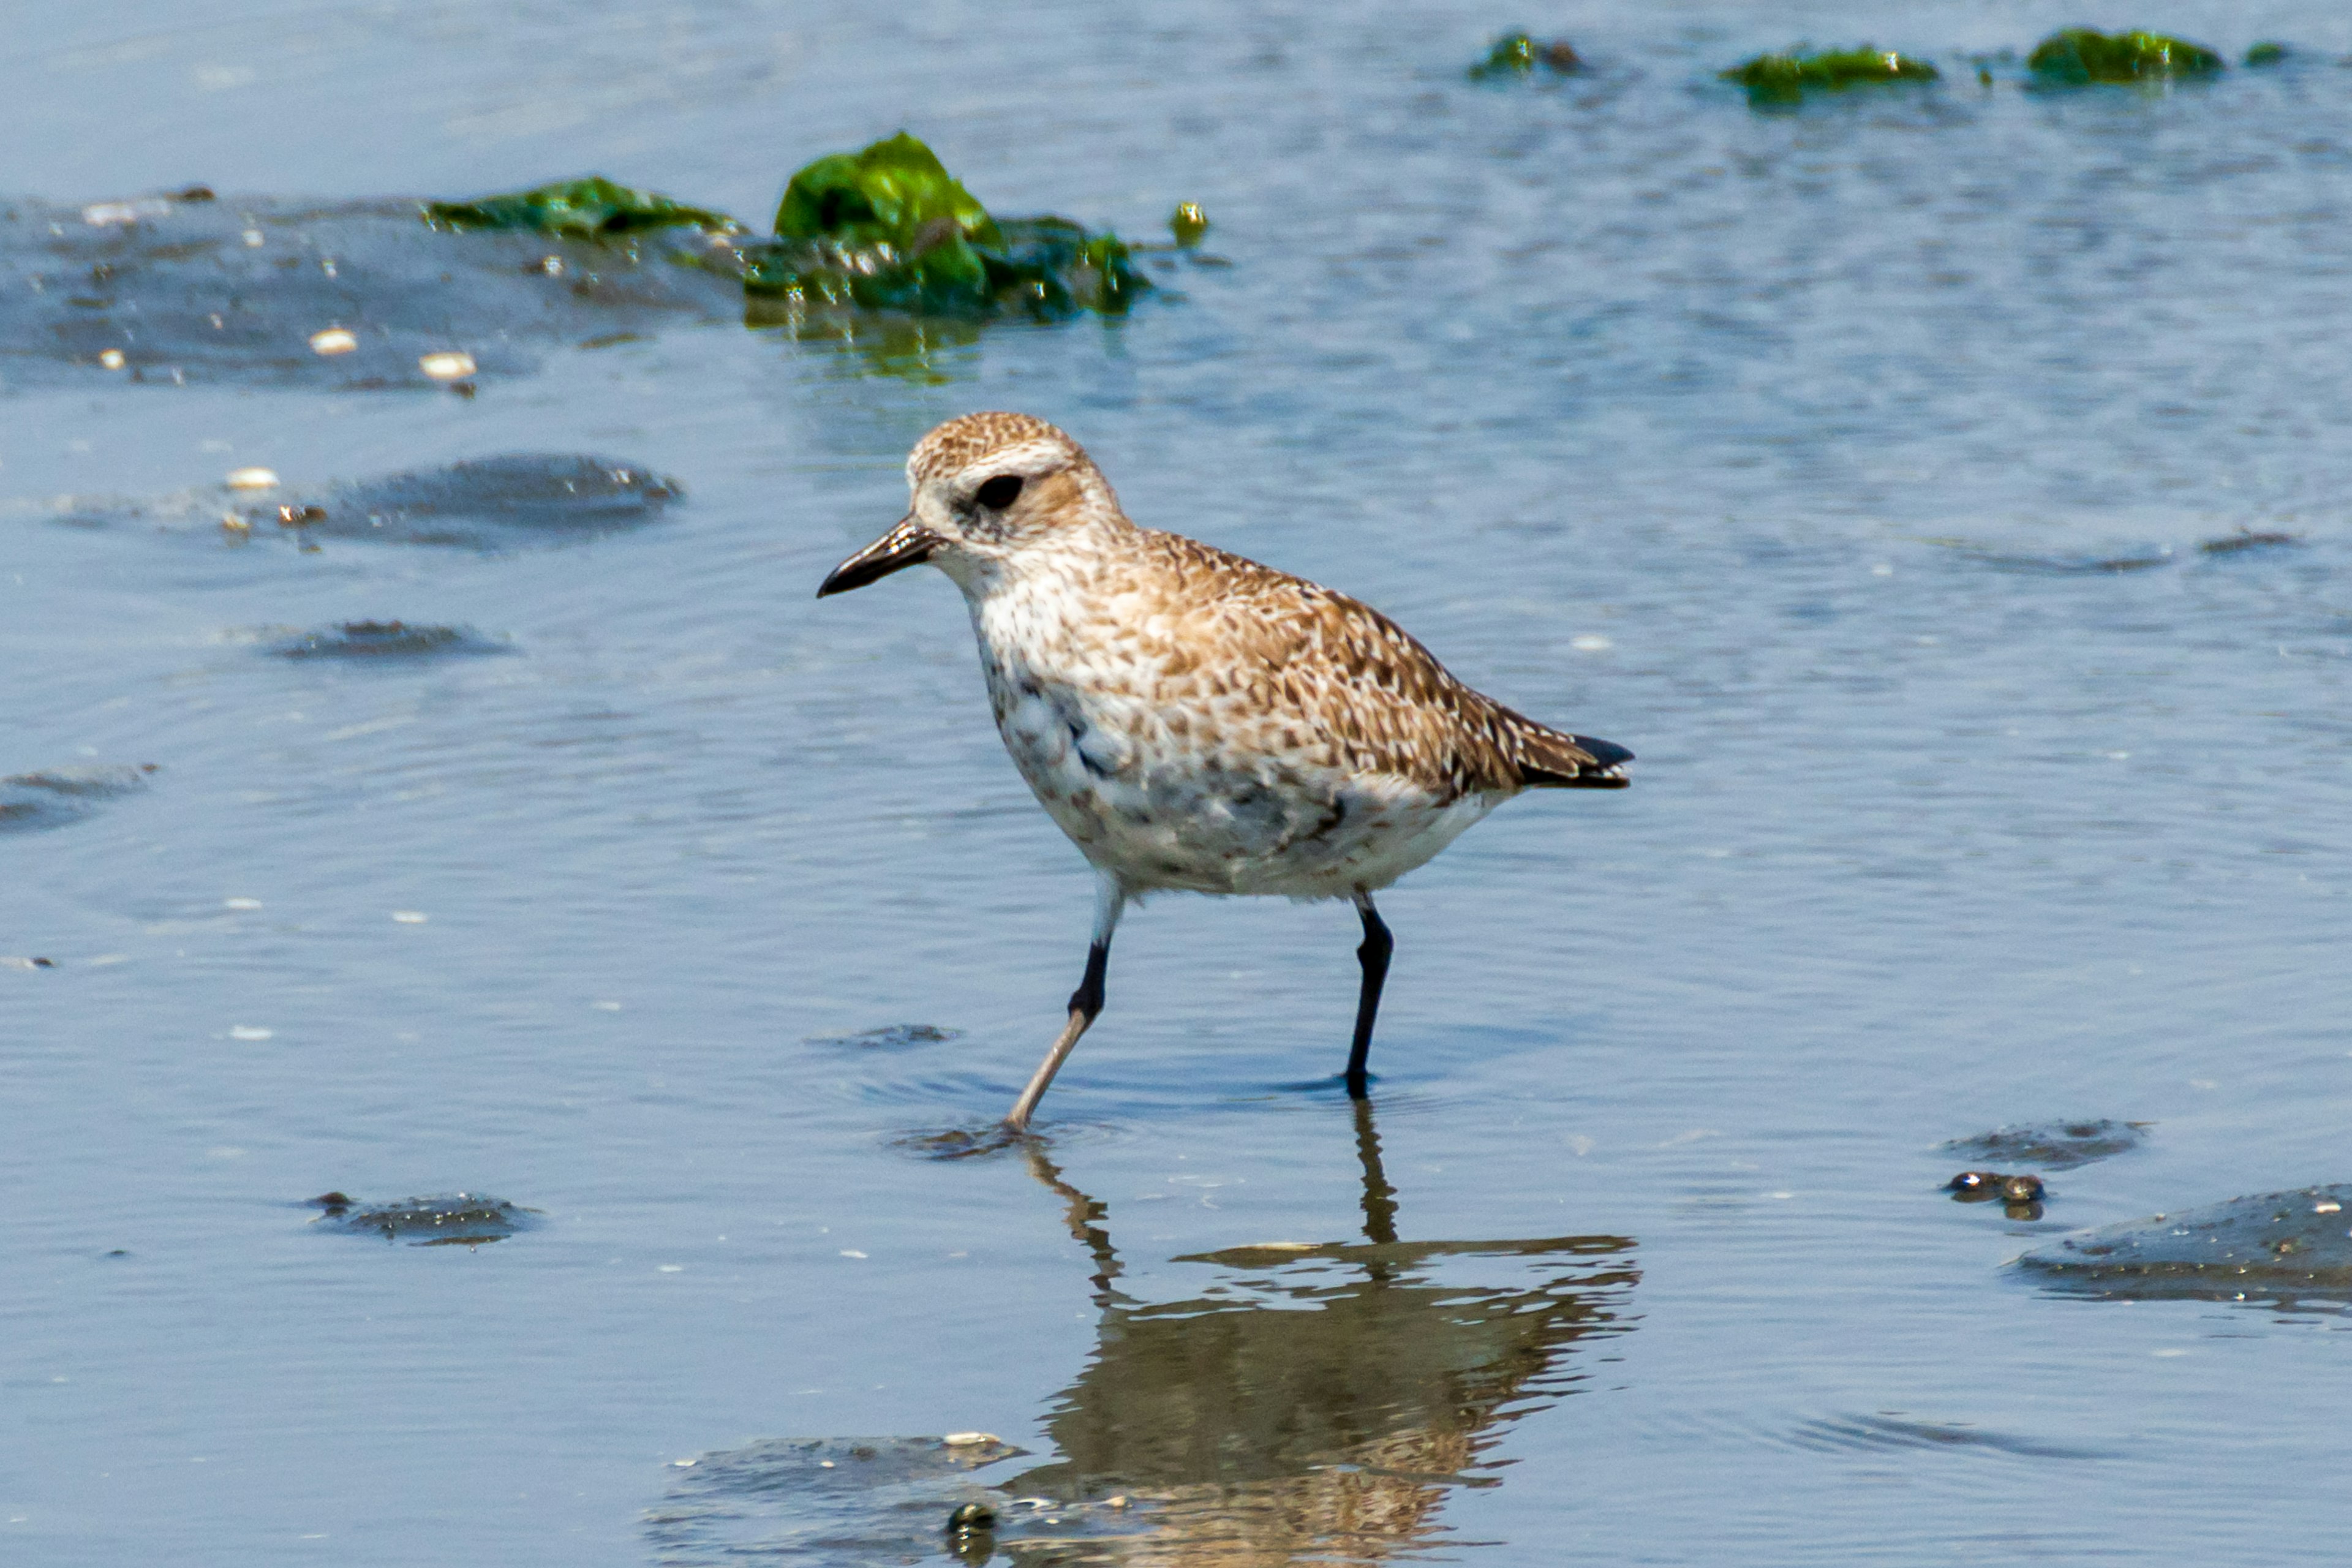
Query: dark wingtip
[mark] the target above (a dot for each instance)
(1609, 757)
(1608, 754)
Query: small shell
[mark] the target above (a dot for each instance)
(111, 359)
(100, 215)
(252, 480)
(446, 366)
(969, 1439)
(333, 340)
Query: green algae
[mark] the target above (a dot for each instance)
(888, 228)
(893, 193)
(1786, 77)
(1517, 55)
(2267, 53)
(590, 208)
(2077, 56)
(884, 228)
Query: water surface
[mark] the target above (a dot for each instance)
(1791, 450)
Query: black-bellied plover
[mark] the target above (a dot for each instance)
(1196, 722)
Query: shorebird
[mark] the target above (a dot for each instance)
(1196, 722)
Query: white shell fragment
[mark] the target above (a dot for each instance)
(252, 479)
(101, 213)
(970, 1439)
(248, 1032)
(333, 340)
(446, 366)
(111, 359)
(410, 916)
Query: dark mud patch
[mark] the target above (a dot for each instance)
(1882, 1431)
(2058, 565)
(239, 291)
(516, 502)
(2246, 542)
(372, 642)
(453, 1219)
(31, 802)
(970, 1142)
(2291, 1247)
(2052, 1145)
(890, 1038)
(848, 1503)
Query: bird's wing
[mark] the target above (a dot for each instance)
(1319, 661)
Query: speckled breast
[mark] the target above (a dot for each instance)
(1164, 796)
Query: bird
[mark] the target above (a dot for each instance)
(1194, 721)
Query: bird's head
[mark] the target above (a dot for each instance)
(986, 488)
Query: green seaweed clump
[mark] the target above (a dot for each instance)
(888, 228)
(1786, 77)
(2078, 56)
(590, 208)
(1515, 54)
(2267, 53)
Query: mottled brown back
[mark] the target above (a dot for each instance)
(1364, 684)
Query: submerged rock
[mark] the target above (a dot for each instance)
(352, 295)
(2078, 56)
(1785, 78)
(29, 802)
(2274, 1247)
(381, 640)
(239, 291)
(1517, 55)
(888, 228)
(590, 208)
(486, 503)
(456, 1219)
(2052, 1145)
(491, 502)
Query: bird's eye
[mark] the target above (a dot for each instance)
(999, 492)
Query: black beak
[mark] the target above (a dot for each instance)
(909, 544)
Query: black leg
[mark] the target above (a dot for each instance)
(1085, 1004)
(1087, 999)
(1374, 956)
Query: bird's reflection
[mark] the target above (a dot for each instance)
(1317, 1401)
(1309, 1404)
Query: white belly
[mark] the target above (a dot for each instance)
(1156, 814)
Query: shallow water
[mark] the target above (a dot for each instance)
(1795, 451)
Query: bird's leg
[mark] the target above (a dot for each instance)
(1085, 1003)
(1374, 956)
